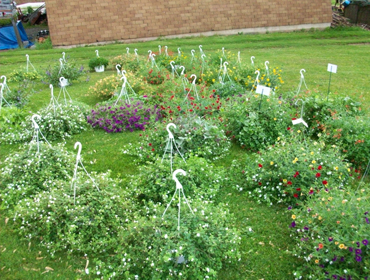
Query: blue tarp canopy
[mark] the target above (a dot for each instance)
(8, 39)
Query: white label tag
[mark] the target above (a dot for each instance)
(332, 68)
(300, 120)
(263, 90)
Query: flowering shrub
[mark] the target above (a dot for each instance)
(22, 75)
(292, 170)
(192, 135)
(154, 180)
(69, 71)
(66, 121)
(26, 172)
(227, 89)
(11, 119)
(331, 233)
(154, 248)
(105, 88)
(19, 97)
(256, 127)
(127, 62)
(120, 117)
(90, 226)
(154, 76)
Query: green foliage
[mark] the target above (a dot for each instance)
(11, 119)
(20, 97)
(28, 172)
(5, 22)
(23, 75)
(105, 88)
(45, 45)
(128, 63)
(69, 71)
(98, 61)
(331, 235)
(66, 121)
(154, 248)
(89, 225)
(154, 180)
(293, 170)
(227, 89)
(192, 135)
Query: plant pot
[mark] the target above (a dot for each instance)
(99, 68)
(63, 83)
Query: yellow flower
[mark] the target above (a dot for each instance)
(341, 246)
(271, 162)
(293, 217)
(316, 261)
(213, 80)
(312, 153)
(275, 119)
(336, 168)
(299, 131)
(285, 180)
(336, 242)
(314, 161)
(278, 138)
(320, 218)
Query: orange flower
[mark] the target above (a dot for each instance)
(321, 245)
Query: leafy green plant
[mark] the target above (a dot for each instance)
(28, 172)
(44, 45)
(62, 123)
(23, 75)
(88, 226)
(330, 232)
(192, 135)
(11, 118)
(293, 170)
(97, 62)
(154, 180)
(156, 248)
(68, 70)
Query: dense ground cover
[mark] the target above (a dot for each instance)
(267, 231)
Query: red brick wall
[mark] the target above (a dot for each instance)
(74, 22)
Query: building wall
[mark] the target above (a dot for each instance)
(73, 22)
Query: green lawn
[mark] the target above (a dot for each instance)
(265, 250)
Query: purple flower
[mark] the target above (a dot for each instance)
(367, 220)
(350, 249)
(306, 228)
(330, 238)
(358, 258)
(290, 207)
(365, 242)
(358, 251)
(358, 244)
(335, 276)
(292, 224)
(335, 258)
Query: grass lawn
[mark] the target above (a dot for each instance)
(265, 250)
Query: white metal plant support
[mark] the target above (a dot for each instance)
(37, 132)
(159, 49)
(78, 161)
(180, 191)
(193, 87)
(97, 53)
(224, 72)
(127, 51)
(267, 68)
(63, 90)
(301, 81)
(6, 89)
(192, 56)
(170, 144)
(61, 65)
(252, 60)
(29, 63)
(166, 51)
(203, 56)
(53, 102)
(256, 81)
(64, 57)
(136, 55)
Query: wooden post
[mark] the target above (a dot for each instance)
(14, 23)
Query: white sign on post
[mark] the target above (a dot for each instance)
(332, 68)
(300, 120)
(263, 90)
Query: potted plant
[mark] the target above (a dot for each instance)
(98, 64)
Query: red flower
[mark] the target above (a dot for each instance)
(325, 182)
(289, 183)
(320, 167)
(310, 192)
(295, 195)
(321, 245)
(151, 70)
(172, 97)
(288, 128)
(298, 189)
(293, 119)
(318, 175)
(259, 183)
(260, 165)
(150, 144)
(152, 150)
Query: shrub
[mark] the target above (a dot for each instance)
(330, 232)
(69, 71)
(26, 172)
(154, 248)
(293, 170)
(154, 180)
(192, 135)
(67, 120)
(22, 75)
(122, 116)
(88, 227)
(105, 88)
(11, 119)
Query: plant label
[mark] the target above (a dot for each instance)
(300, 120)
(332, 68)
(263, 90)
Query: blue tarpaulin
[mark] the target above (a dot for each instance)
(8, 39)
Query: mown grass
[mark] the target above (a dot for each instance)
(266, 247)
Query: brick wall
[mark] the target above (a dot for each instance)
(74, 22)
